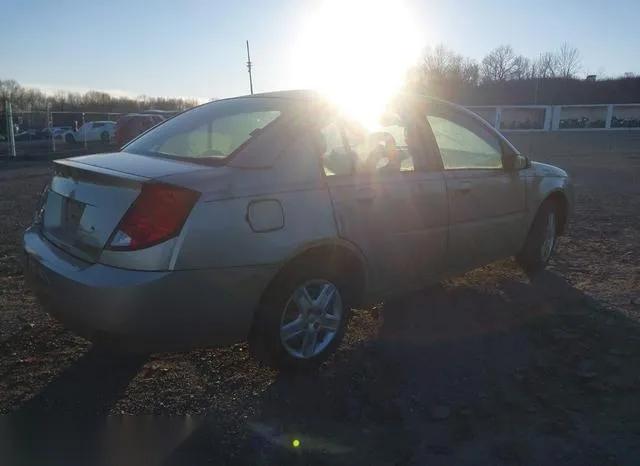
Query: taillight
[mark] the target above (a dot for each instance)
(42, 202)
(157, 214)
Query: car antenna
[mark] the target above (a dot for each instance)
(249, 64)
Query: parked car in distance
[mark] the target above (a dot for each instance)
(92, 131)
(58, 132)
(132, 124)
(268, 217)
(23, 136)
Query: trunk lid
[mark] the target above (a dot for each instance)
(149, 167)
(89, 195)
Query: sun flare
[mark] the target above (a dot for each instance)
(357, 53)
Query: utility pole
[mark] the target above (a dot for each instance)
(249, 68)
(10, 129)
(50, 126)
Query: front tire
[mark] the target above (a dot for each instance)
(302, 319)
(542, 239)
(104, 136)
(69, 139)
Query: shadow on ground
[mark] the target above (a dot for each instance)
(457, 375)
(64, 423)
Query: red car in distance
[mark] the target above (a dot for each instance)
(132, 124)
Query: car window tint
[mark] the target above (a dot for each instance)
(384, 150)
(98, 125)
(212, 131)
(218, 138)
(460, 147)
(334, 154)
(348, 147)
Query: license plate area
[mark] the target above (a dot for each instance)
(62, 215)
(72, 211)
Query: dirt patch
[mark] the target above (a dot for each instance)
(491, 368)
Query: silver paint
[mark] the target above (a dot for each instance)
(203, 287)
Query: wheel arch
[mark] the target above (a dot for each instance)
(559, 198)
(337, 253)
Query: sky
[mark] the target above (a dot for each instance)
(196, 48)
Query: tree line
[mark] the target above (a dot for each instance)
(504, 77)
(27, 98)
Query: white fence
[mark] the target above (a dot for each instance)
(31, 139)
(561, 117)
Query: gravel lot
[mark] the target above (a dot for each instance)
(491, 368)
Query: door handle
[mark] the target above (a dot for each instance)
(367, 194)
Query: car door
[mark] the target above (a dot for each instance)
(487, 201)
(84, 132)
(96, 131)
(395, 211)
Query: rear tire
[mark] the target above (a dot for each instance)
(297, 326)
(542, 239)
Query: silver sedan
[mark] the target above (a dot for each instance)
(268, 217)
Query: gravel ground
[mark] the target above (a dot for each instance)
(491, 368)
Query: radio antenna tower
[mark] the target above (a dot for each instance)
(249, 64)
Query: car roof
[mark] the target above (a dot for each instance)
(294, 94)
(131, 115)
(289, 94)
(303, 94)
(309, 94)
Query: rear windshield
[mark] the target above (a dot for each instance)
(210, 132)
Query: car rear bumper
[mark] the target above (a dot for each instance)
(141, 310)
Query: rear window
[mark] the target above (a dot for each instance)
(210, 132)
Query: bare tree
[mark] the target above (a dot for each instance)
(443, 65)
(502, 64)
(470, 72)
(546, 65)
(568, 61)
(10, 89)
(24, 98)
(74, 99)
(437, 62)
(34, 98)
(522, 68)
(59, 100)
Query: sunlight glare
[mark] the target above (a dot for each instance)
(357, 52)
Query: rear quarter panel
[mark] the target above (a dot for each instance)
(219, 232)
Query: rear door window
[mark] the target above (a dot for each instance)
(218, 138)
(212, 131)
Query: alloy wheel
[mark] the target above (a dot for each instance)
(311, 318)
(549, 237)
